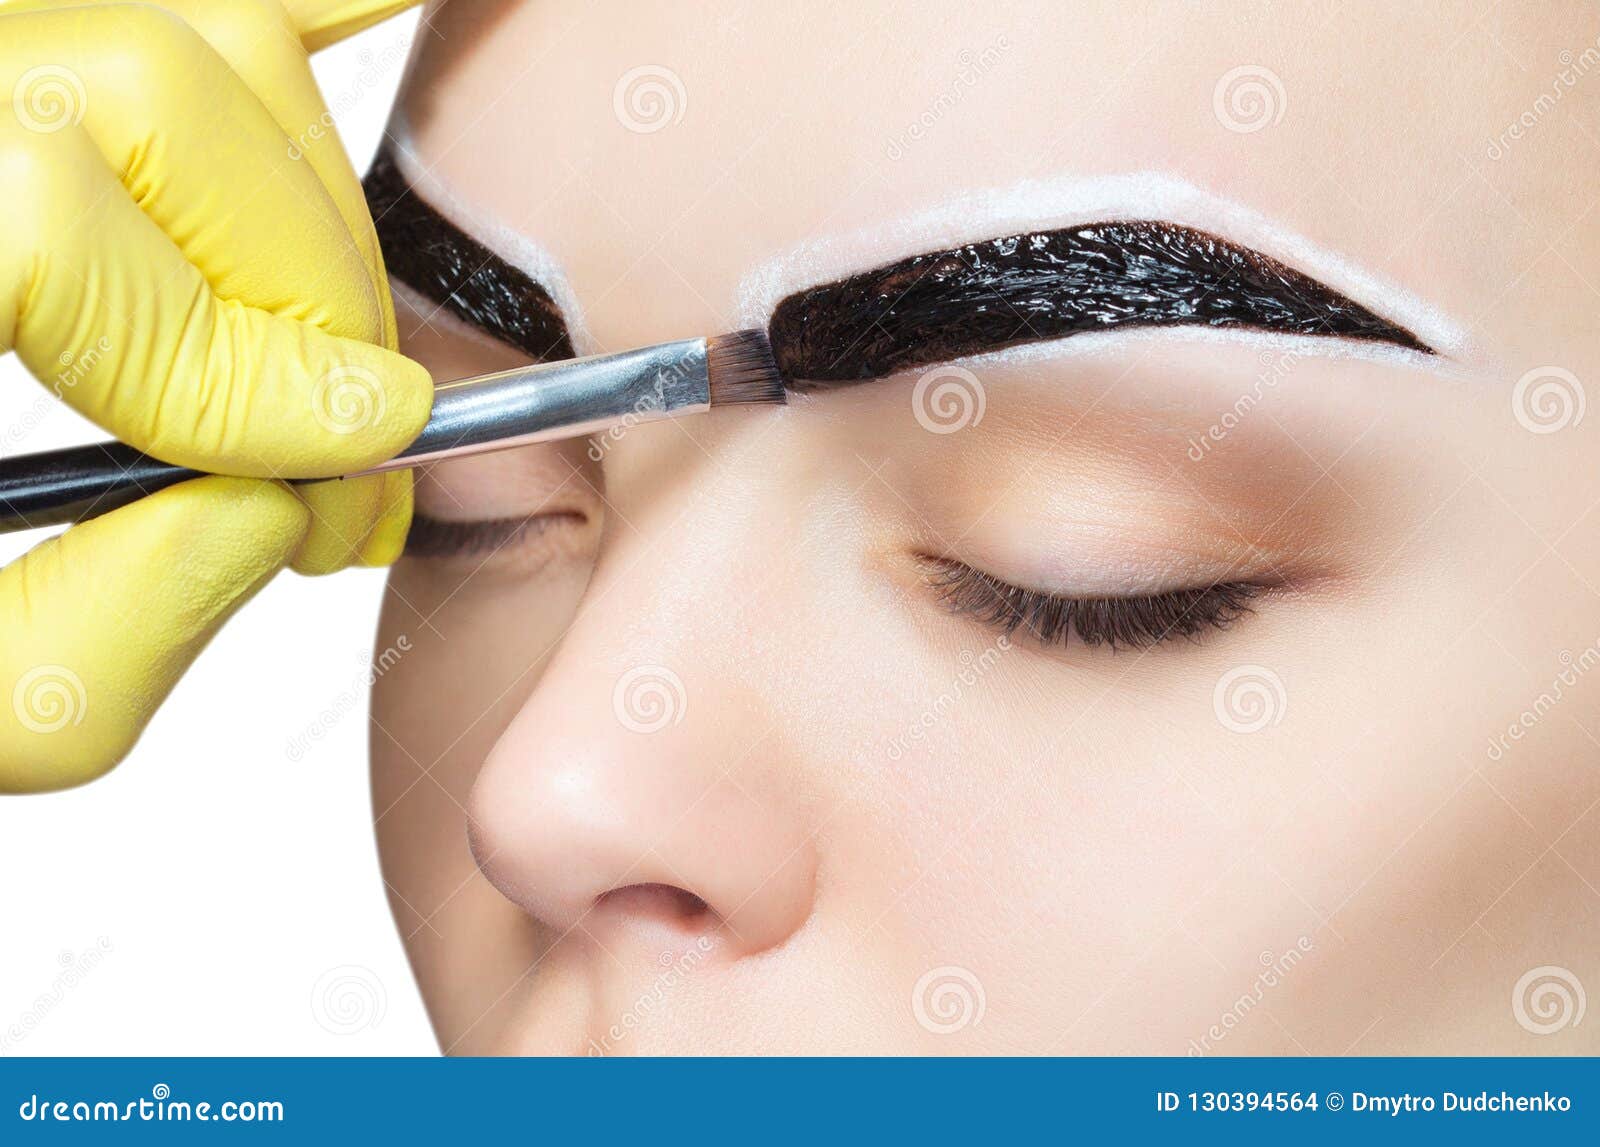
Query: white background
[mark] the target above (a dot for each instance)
(231, 891)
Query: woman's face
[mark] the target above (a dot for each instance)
(710, 735)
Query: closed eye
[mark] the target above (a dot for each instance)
(1134, 622)
(440, 538)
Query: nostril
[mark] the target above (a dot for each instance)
(665, 903)
(654, 925)
(657, 920)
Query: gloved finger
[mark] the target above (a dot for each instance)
(354, 521)
(387, 538)
(262, 44)
(197, 151)
(263, 47)
(258, 43)
(88, 656)
(97, 297)
(324, 22)
(343, 513)
(366, 520)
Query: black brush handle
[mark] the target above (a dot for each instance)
(66, 486)
(534, 403)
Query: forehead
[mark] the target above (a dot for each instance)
(661, 157)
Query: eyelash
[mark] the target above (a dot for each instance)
(1127, 622)
(1118, 622)
(437, 538)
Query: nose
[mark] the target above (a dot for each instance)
(637, 795)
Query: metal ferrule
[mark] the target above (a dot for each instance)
(567, 399)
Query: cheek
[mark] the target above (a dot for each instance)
(476, 643)
(476, 651)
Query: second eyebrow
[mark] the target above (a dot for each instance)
(1046, 285)
(435, 258)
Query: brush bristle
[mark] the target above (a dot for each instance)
(741, 369)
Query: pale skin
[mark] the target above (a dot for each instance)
(864, 789)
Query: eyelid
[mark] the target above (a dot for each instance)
(509, 500)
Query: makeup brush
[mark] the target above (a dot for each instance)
(538, 403)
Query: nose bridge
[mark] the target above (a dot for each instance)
(647, 756)
(666, 620)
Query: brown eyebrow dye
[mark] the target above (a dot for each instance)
(1048, 285)
(449, 267)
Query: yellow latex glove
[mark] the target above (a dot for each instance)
(186, 258)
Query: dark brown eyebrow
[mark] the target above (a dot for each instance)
(441, 262)
(1049, 285)
(929, 308)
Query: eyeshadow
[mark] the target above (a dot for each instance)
(1047, 285)
(444, 264)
